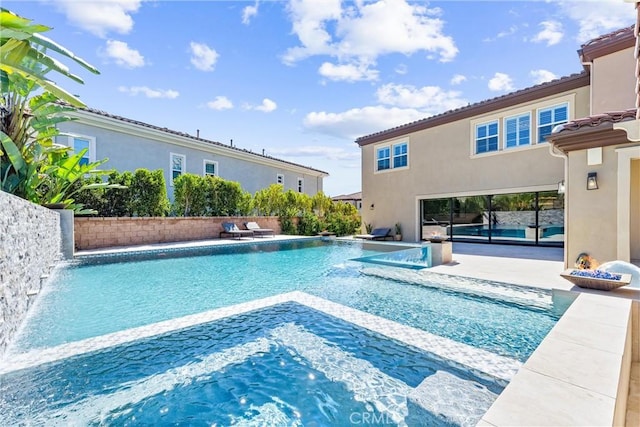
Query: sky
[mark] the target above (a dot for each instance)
(302, 79)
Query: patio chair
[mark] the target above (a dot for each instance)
(230, 229)
(376, 234)
(257, 230)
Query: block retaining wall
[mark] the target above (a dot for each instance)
(96, 233)
(29, 249)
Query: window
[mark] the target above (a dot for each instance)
(392, 157)
(210, 168)
(79, 143)
(517, 130)
(280, 179)
(300, 185)
(400, 156)
(487, 137)
(178, 163)
(548, 118)
(384, 158)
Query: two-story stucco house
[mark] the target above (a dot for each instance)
(490, 172)
(130, 145)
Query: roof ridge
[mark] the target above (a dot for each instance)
(613, 34)
(574, 76)
(187, 135)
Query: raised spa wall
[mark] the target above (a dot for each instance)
(29, 248)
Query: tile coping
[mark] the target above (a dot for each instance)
(569, 363)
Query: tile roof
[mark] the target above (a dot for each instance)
(523, 95)
(607, 44)
(597, 120)
(195, 138)
(352, 196)
(614, 35)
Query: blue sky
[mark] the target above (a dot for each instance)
(302, 79)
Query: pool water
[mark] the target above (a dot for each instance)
(283, 365)
(89, 300)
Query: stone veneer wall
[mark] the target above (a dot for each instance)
(29, 249)
(95, 233)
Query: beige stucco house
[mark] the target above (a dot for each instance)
(502, 171)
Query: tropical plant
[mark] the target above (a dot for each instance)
(22, 42)
(31, 166)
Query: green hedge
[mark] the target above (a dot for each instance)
(145, 195)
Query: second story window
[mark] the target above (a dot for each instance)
(383, 156)
(400, 156)
(178, 163)
(210, 168)
(280, 179)
(300, 185)
(548, 118)
(487, 137)
(517, 130)
(392, 156)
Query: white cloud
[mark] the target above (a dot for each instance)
(597, 17)
(326, 152)
(325, 28)
(458, 79)
(542, 76)
(501, 82)
(512, 30)
(347, 72)
(551, 33)
(123, 54)
(401, 69)
(202, 56)
(429, 99)
(249, 12)
(220, 103)
(267, 106)
(360, 121)
(149, 93)
(100, 17)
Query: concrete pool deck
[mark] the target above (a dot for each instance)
(585, 372)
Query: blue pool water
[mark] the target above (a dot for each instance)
(513, 231)
(283, 365)
(89, 300)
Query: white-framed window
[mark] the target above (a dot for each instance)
(383, 158)
(392, 156)
(400, 155)
(79, 143)
(487, 137)
(517, 130)
(209, 168)
(300, 185)
(548, 118)
(280, 179)
(177, 165)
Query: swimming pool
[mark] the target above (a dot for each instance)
(100, 296)
(266, 333)
(286, 364)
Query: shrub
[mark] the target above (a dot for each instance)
(149, 194)
(189, 195)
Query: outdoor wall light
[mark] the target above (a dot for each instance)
(372, 206)
(592, 181)
(561, 187)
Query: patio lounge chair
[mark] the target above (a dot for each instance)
(230, 229)
(376, 234)
(257, 230)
